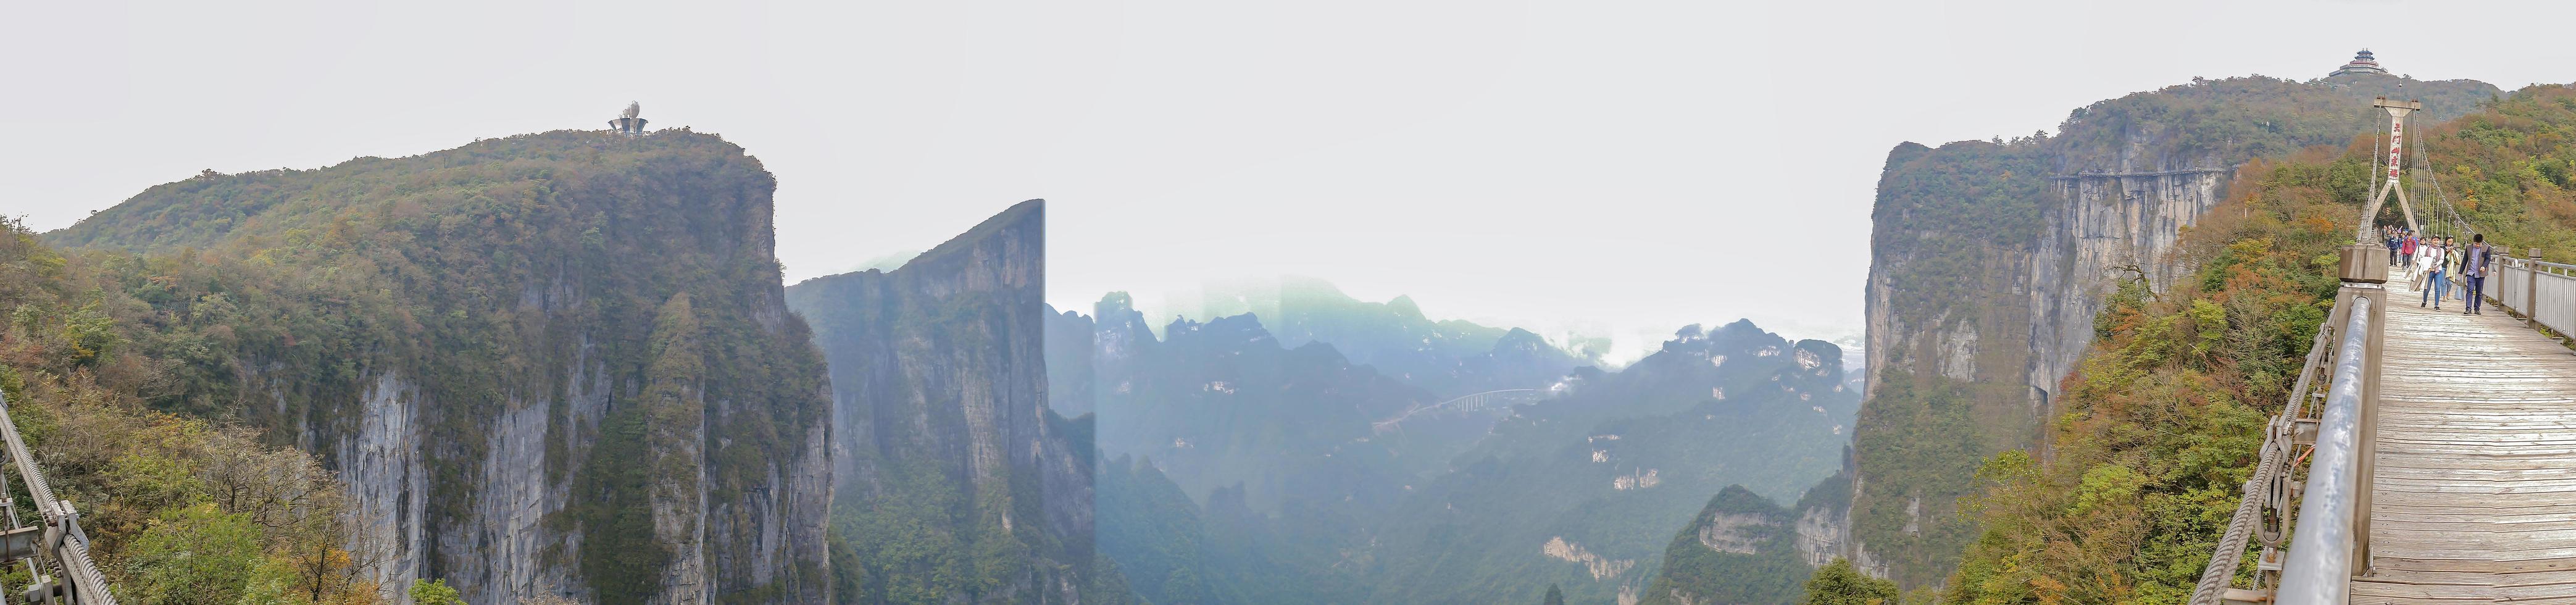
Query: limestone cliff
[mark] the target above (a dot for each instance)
(1989, 261)
(550, 364)
(957, 482)
(1743, 548)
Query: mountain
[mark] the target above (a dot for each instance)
(554, 364)
(1743, 548)
(2161, 420)
(1224, 403)
(1584, 489)
(954, 480)
(1222, 407)
(1241, 469)
(1448, 357)
(1990, 261)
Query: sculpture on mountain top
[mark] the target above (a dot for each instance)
(627, 123)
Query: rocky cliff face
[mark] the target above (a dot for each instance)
(507, 371)
(1989, 262)
(950, 464)
(1742, 548)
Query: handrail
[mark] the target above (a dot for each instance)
(2319, 570)
(2259, 487)
(65, 547)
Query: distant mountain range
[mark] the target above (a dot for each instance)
(1242, 466)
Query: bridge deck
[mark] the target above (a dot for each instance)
(2475, 500)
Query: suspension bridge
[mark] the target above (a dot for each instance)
(2424, 456)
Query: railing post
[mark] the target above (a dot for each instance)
(2531, 290)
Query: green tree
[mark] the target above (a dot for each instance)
(425, 592)
(1554, 596)
(1840, 584)
(196, 554)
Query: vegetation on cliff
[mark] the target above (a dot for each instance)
(2509, 170)
(1838, 583)
(181, 508)
(1743, 549)
(2160, 422)
(503, 274)
(956, 481)
(1962, 230)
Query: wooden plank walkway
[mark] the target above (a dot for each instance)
(2475, 500)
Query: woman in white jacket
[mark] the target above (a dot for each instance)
(2430, 263)
(2427, 256)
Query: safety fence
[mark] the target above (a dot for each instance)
(2545, 292)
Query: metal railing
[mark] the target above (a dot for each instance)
(2544, 292)
(2264, 511)
(2333, 420)
(56, 550)
(2321, 557)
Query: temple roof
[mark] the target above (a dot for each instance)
(2362, 63)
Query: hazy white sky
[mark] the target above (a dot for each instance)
(1617, 166)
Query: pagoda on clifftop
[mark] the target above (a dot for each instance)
(2361, 63)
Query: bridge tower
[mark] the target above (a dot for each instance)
(2397, 111)
(626, 123)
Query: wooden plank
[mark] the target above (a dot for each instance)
(2474, 494)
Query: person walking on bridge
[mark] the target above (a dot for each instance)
(2392, 240)
(2430, 262)
(2475, 264)
(2422, 249)
(2406, 251)
(2452, 252)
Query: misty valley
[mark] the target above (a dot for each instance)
(2157, 354)
(1362, 452)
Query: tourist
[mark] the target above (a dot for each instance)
(2415, 270)
(2452, 252)
(2474, 264)
(2406, 251)
(2393, 239)
(2428, 262)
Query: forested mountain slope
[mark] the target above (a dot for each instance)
(95, 350)
(549, 364)
(1743, 548)
(2163, 413)
(1990, 261)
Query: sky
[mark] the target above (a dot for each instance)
(1592, 166)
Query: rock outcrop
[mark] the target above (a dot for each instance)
(1742, 548)
(508, 373)
(957, 482)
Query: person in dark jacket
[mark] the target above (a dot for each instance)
(2392, 240)
(2475, 265)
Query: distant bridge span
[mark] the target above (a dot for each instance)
(1465, 403)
